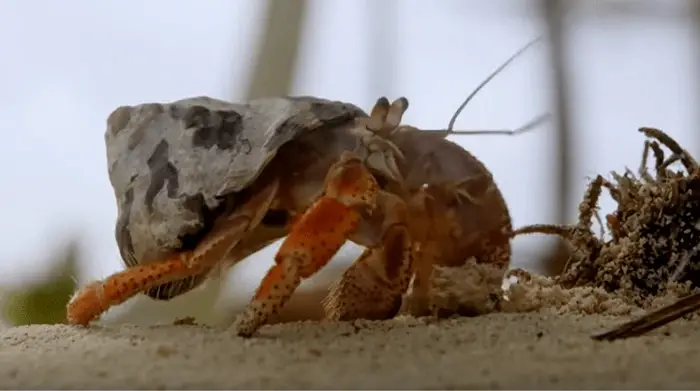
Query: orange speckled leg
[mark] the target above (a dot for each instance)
(97, 297)
(313, 240)
(373, 286)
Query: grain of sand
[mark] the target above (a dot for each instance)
(547, 347)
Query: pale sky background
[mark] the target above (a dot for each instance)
(66, 65)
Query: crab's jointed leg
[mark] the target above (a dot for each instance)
(97, 297)
(314, 239)
(373, 286)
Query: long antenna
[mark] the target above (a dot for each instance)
(535, 122)
(509, 132)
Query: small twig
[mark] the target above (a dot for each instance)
(614, 191)
(688, 161)
(652, 320)
(666, 164)
(643, 170)
(660, 157)
(596, 214)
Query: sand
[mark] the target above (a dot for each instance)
(491, 351)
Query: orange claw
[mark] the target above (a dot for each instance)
(313, 240)
(95, 298)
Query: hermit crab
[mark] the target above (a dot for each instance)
(200, 181)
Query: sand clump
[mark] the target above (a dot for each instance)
(477, 289)
(459, 291)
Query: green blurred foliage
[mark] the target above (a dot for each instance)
(44, 302)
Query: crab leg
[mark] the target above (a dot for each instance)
(314, 239)
(95, 298)
(373, 286)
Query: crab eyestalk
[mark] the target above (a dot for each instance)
(382, 123)
(385, 118)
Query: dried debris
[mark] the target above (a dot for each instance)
(654, 230)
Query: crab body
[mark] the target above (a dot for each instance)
(202, 183)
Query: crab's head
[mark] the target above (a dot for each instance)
(383, 158)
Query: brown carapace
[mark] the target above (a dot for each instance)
(654, 233)
(412, 198)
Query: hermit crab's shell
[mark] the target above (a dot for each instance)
(170, 163)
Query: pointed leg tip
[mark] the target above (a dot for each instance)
(85, 305)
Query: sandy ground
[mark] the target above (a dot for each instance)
(491, 351)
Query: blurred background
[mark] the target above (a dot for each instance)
(605, 69)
